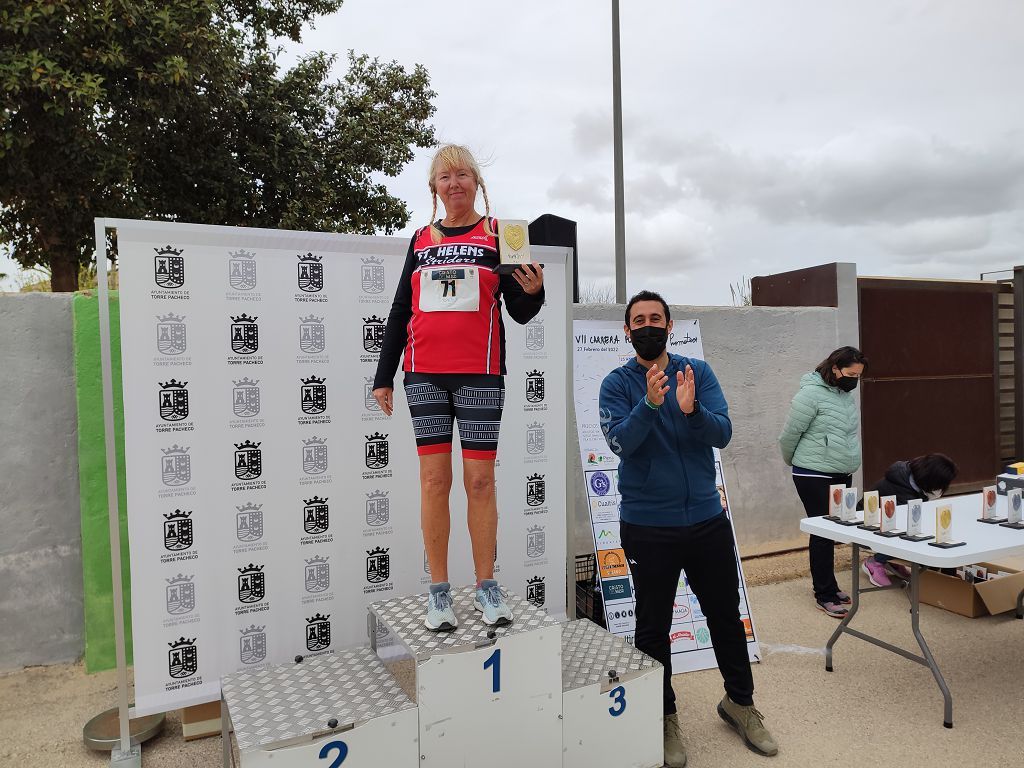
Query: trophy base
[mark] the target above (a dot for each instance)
(992, 520)
(508, 269)
(832, 518)
(916, 537)
(947, 544)
(849, 522)
(874, 528)
(1015, 526)
(889, 534)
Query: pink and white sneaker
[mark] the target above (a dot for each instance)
(898, 570)
(876, 572)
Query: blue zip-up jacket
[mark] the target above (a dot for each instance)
(667, 467)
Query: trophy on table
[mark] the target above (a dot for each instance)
(872, 512)
(849, 510)
(888, 522)
(944, 528)
(835, 503)
(988, 506)
(513, 245)
(1014, 503)
(915, 510)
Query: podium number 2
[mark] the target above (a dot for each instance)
(494, 664)
(617, 695)
(330, 746)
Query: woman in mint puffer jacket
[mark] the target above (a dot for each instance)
(821, 442)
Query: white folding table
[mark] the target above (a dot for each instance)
(983, 542)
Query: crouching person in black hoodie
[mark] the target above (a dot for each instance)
(926, 477)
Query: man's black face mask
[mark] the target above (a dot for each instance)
(649, 341)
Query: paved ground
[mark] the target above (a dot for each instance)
(875, 708)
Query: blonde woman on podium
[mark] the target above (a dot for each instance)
(446, 322)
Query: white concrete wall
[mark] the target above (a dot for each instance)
(40, 545)
(758, 355)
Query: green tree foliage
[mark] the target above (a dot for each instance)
(178, 110)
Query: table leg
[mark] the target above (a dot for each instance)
(1020, 605)
(225, 733)
(915, 577)
(855, 597)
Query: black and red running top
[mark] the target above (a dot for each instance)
(446, 315)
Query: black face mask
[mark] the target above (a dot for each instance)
(847, 383)
(649, 341)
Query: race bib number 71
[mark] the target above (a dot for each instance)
(452, 289)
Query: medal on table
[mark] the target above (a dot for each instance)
(988, 506)
(835, 503)
(872, 513)
(849, 510)
(944, 528)
(887, 526)
(915, 511)
(1014, 505)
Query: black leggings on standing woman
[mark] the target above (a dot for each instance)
(812, 486)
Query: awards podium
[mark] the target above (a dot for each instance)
(531, 692)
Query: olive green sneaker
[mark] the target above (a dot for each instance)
(675, 752)
(749, 723)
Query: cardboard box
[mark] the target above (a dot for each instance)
(200, 721)
(972, 600)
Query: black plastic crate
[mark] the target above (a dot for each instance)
(589, 603)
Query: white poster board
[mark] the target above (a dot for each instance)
(269, 499)
(600, 346)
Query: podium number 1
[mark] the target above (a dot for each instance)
(329, 747)
(494, 664)
(617, 695)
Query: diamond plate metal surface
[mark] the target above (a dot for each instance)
(589, 652)
(271, 705)
(404, 617)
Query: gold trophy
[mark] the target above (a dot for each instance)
(513, 245)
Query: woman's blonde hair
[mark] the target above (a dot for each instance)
(448, 157)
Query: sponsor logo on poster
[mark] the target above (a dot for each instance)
(314, 455)
(612, 563)
(535, 386)
(378, 508)
(318, 632)
(536, 541)
(311, 273)
(313, 395)
(535, 592)
(312, 335)
(616, 589)
(369, 401)
(169, 267)
(317, 574)
(182, 658)
(173, 400)
(245, 334)
(535, 490)
(535, 443)
(372, 276)
(245, 398)
(175, 466)
(252, 584)
(252, 645)
(600, 483)
(248, 460)
(180, 595)
(535, 335)
(242, 270)
(171, 338)
(373, 334)
(178, 531)
(315, 516)
(378, 565)
(376, 451)
(249, 522)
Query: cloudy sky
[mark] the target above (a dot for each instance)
(759, 137)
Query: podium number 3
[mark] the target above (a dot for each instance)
(617, 695)
(494, 664)
(329, 747)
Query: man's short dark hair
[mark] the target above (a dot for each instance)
(648, 296)
(933, 472)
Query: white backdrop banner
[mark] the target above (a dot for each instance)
(269, 499)
(600, 346)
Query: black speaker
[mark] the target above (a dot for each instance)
(554, 230)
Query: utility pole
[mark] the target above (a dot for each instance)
(620, 208)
